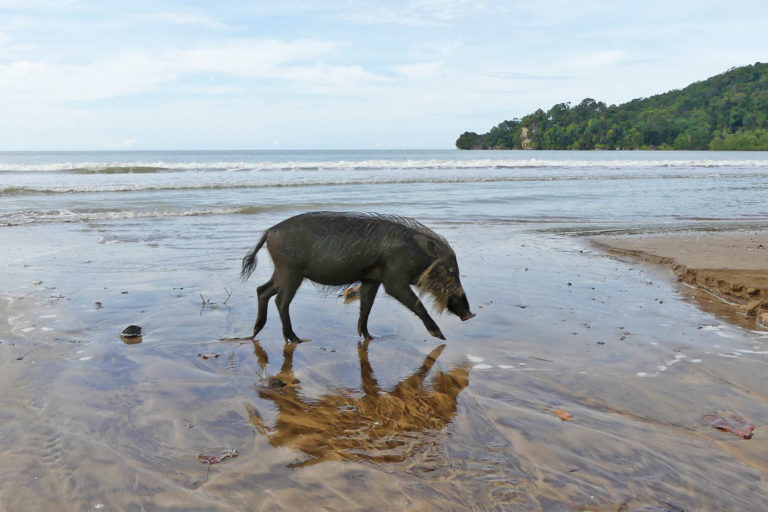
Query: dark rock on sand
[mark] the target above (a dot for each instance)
(273, 383)
(132, 331)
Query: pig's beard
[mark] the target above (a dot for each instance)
(439, 289)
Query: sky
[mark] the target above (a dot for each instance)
(340, 74)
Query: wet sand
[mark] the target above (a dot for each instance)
(730, 268)
(406, 422)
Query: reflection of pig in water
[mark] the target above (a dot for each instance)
(375, 427)
(338, 249)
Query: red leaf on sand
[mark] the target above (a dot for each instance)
(731, 424)
(215, 459)
(562, 414)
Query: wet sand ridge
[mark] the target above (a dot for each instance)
(731, 266)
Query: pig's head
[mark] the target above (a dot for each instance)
(441, 281)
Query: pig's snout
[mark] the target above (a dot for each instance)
(459, 306)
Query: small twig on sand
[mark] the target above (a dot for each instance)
(208, 303)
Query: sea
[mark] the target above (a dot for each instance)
(555, 189)
(193, 415)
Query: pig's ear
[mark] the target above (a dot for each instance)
(427, 244)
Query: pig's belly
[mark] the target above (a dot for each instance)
(339, 275)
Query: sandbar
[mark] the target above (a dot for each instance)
(727, 271)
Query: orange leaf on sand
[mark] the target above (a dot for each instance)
(215, 459)
(735, 425)
(562, 414)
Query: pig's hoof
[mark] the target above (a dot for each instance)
(437, 334)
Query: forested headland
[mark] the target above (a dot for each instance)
(726, 112)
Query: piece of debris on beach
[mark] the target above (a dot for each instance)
(732, 424)
(215, 459)
(351, 294)
(210, 355)
(272, 383)
(132, 331)
(562, 414)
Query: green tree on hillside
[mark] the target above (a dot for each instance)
(727, 111)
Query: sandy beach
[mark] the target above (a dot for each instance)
(727, 271)
(405, 420)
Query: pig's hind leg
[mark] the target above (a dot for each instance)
(287, 284)
(368, 291)
(265, 292)
(403, 293)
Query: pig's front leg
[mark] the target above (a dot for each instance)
(402, 292)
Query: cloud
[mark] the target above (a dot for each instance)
(182, 18)
(419, 71)
(520, 75)
(137, 72)
(414, 13)
(4, 44)
(325, 77)
(596, 59)
(244, 58)
(11, 48)
(33, 4)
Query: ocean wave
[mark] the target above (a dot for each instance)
(566, 224)
(120, 169)
(373, 165)
(87, 168)
(25, 217)
(20, 218)
(320, 181)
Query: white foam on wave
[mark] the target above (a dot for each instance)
(219, 182)
(374, 164)
(67, 216)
